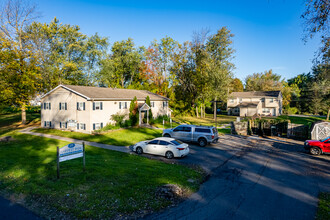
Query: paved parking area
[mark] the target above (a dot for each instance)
(254, 178)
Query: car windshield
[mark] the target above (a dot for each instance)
(325, 139)
(176, 142)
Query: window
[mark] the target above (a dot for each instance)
(176, 142)
(202, 130)
(265, 110)
(47, 105)
(236, 110)
(262, 99)
(271, 100)
(231, 100)
(152, 104)
(62, 106)
(165, 143)
(165, 104)
(180, 128)
(97, 106)
(81, 106)
(153, 142)
(97, 126)
(47, 124)
(240, 100)
(63, 124)
(122, 105)
(187, 129)
(81, 126)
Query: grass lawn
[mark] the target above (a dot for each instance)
(114, 184)
(323, 211)
(12, 121)
(121, 137)
(207, 121)
(301, 120)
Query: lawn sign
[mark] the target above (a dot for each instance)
(69, 152)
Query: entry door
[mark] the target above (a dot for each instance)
(274, 112)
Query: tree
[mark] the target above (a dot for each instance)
(121, 69)
(19, 64)
(220, 66)
(68, 56)
(236, 85)
(317, 20)
(148, 103)
(267, 81)
(134, 111)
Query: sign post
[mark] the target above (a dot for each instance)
(69, 152)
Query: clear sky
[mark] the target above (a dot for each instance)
(268, 33)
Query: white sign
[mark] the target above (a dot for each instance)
(70, 149)
(72, 156)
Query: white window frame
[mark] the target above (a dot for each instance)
(62, 105)
(152, 104)
(266, 110)
(97, 126)
(231, 100)
(48, 124)
(271, 100)
(63, 125)
(240, 100)
(82, 126)
(46, 105)
(81, 106)
(165, 104)
(97, 105)
(122, 105)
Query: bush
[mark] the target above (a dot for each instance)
(292, 110)
(134, 112)
(118, 118)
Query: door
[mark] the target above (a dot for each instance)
(162, 148)
(178, 132)
(326, 146)
(152, 146)
(274, 111)
(187, 134)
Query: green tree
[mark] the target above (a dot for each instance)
(122, 68)
(19, 64)
(267, 81)
(148, 103)
(317, 20)
(134, 111)
(68, 56)
(220, 65)
(236, 85)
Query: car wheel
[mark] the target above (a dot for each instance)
(315, 151)
(202, 142)
(169, 155)
(139, 150)
(167, 135)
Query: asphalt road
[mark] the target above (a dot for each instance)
(254, 179)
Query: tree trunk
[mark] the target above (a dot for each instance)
(196, 111)
(201, 110)
(23, 115)
(215, 109)
(204, 111)
(328, 114)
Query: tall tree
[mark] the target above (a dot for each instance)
(122, 68)
(68, 56)
(219, 46)
(19, 64)
(236, 85)
(267, 81)
(317, 20)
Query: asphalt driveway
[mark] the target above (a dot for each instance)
(252, 178)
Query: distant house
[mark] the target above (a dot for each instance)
(255, 103)
(85, 108)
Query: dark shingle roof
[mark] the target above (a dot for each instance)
(100, 93)
(248, 104)
(274, 94)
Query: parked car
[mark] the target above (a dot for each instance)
(164, 146)
(202, 135)
(318, 147)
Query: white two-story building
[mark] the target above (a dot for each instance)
(85, 108)
(255, 103)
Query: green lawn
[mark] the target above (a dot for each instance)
(12, 121)
(121, 137)
(114, 185)
(323, 211)
(301, 120)
(207, 121)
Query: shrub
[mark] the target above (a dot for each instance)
(292, 110)
(150, 112)
(134, 112)
(118, 118)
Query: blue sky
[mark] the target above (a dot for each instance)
(267, 33)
